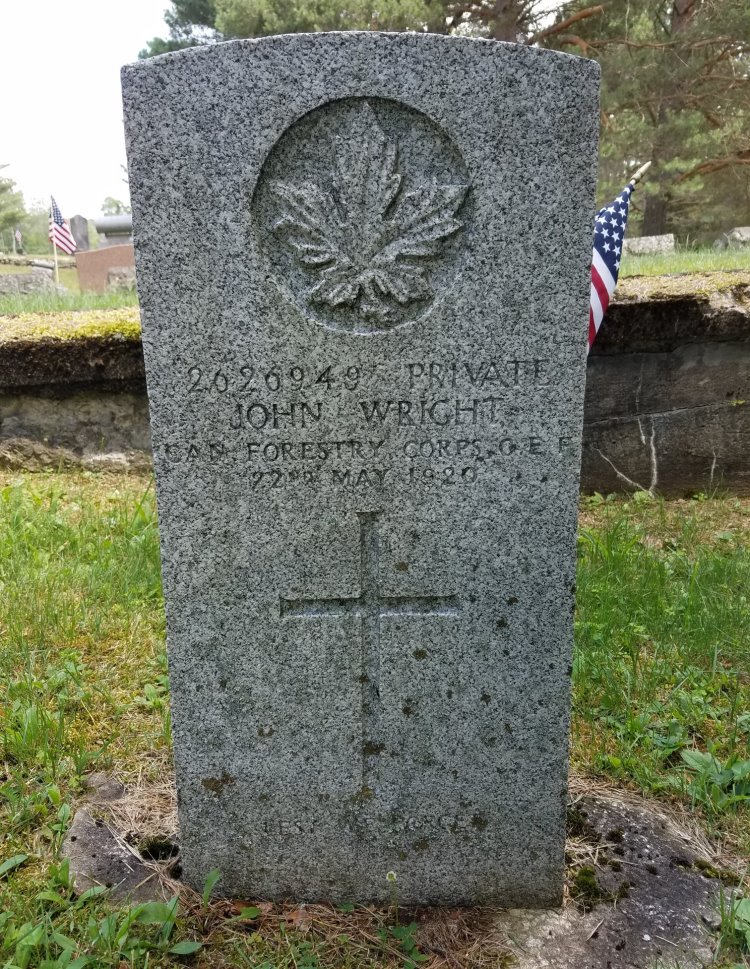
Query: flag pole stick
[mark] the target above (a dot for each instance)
(640, 173)
(54, 246)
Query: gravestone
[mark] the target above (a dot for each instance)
(94, 267)
(364, 298)
(79, 227)
(649, 245)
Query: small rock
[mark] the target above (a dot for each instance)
(103, 788)
(97, 857)
(110, 461)
(712, 921)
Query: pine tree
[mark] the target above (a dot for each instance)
(675, 91)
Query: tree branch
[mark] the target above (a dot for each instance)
(716, 165)
(564, 24)
(573, 40)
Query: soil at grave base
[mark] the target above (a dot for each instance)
(642, 889)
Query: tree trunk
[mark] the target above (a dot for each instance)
(504, 24)
(683, 12)
(656, 212)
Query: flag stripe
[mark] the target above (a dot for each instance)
(609, 233)
(604, 273)
(59, 232)
(597, 310)
(600, 291)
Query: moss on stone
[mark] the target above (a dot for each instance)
(585, 888)
(682, 286)
(123, 324)
(710, 871)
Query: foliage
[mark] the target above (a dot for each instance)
(112, 206)
(35, 228)
(190, 22)
(11, 204)
(201, 21)
(256, 18)
(675, 91)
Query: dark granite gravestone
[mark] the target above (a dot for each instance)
(79, 226)
(363, 267)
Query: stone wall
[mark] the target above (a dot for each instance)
(69, 402)
(667, 398)
(668, 388)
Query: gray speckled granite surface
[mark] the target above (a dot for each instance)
(363, 272)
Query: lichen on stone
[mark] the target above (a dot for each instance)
(123, 324)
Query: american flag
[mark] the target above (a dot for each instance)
(59, 233)
(609, 233)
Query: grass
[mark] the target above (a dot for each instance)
(72, 300)
(661, 705)
(686, 261)
(67, 302)
(662, 665)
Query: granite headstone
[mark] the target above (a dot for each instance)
(79, 226)
(649, 245)
(363, 272)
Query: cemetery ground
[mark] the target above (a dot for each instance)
(661, 709)
(685, 260)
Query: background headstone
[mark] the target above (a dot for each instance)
(121, 280)
(79, 226)
(364, 299)
(649, 245)
(37, 281)
(94, 267)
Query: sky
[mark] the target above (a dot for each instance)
(60, 111)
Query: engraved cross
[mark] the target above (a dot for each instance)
(370, 606)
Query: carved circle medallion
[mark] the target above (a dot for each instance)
(361, 211)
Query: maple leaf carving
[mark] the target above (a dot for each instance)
(368, 240)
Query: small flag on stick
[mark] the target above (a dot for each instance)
(59, 231)
(609, 233)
